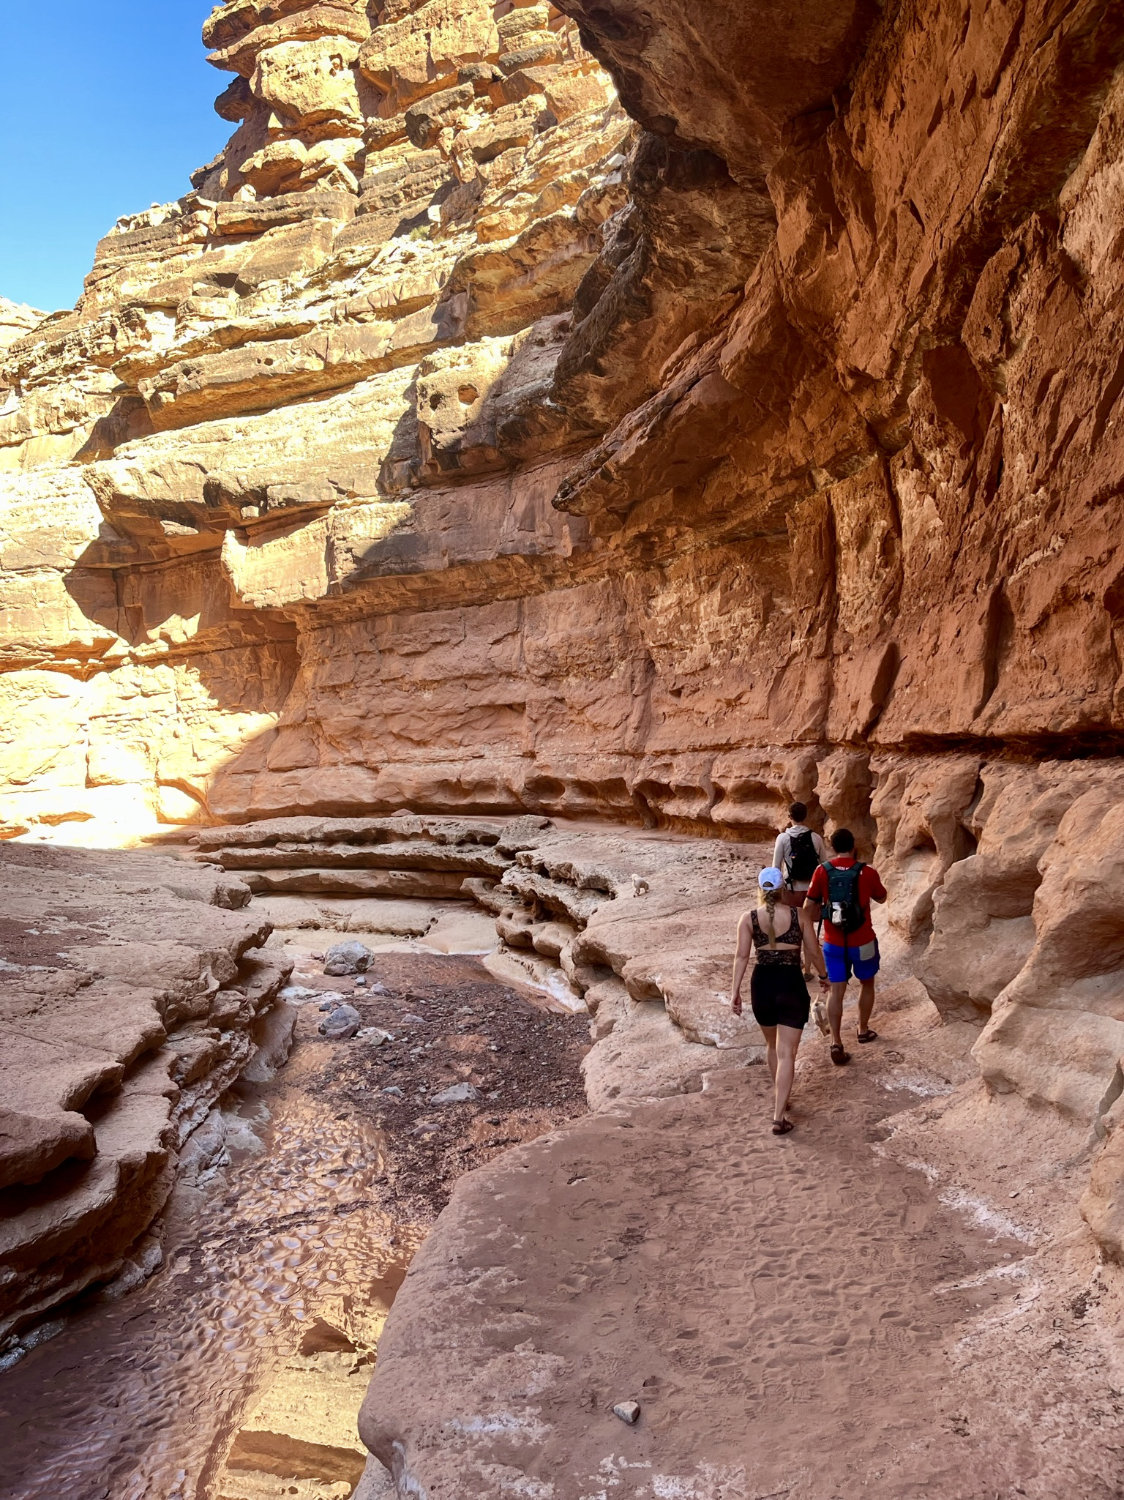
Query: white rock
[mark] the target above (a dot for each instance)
(459, 1093)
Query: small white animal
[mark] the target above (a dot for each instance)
(639, 885)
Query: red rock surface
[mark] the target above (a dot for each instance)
(460, 447)
(132, 996)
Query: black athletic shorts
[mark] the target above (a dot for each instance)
(779, 996)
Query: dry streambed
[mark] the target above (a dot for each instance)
(237, 1371)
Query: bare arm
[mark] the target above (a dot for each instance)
(812, 947)
(812, 911)
(741, 962)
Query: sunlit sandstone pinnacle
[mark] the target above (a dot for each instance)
(462, 444)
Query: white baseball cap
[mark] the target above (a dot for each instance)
(770, 879)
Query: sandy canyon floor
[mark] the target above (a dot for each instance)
(894, 1301)
(840, 1313)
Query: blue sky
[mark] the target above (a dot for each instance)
(105, 107)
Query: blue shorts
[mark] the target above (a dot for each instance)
(843, 962)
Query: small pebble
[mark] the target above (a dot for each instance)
(360, 980)
(393, 1089)
(628, 1411)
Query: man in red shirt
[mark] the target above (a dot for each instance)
(849, 944)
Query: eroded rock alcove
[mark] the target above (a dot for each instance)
(641, 415)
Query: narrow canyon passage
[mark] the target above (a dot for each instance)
(873, 1305)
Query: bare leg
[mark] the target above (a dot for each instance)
(787, 1042)
(770, 1035)
(866, 1004)
(835, 1012)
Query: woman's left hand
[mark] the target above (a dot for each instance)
(736, 1005)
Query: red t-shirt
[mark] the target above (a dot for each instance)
(870, 888)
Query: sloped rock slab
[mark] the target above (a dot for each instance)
(131, 998)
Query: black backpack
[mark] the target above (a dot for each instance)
(843, 908)
(802, 858)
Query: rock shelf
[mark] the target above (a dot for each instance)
(866, 1307)
(656, 912)
(134, 991)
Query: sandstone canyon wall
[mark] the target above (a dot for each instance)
(461, 444)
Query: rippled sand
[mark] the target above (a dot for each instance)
(139, 1398)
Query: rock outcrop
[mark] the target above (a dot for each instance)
(133, 993)
(623, 914)
(16, 321)
(316, 374)
(461, 445)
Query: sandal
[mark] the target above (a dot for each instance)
(782, 1127)
(867, 1036)
(839, 1055)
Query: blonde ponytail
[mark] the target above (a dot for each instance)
(770, 922)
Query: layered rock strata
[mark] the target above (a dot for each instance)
(16, 321)
(627, 917)
(460, 446)
(323, 365)
(133, 993)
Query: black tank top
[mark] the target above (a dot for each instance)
(787, 950)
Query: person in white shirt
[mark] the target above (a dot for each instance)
(797, 853)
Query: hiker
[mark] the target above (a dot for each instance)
(798, 852)
(777, 990)
(842, 891)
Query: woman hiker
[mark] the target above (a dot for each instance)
(778, 993)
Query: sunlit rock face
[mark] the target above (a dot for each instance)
(16, 320)
(460, 443)
(280, 385)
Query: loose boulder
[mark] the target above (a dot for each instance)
(348, 958)
(343, 1022)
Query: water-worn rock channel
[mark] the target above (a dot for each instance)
(237, 1370)
(901, 1299)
